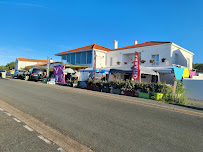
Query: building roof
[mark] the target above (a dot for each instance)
(96, 46)
(88, 47)
(41, 64)
(150, 43)
(31, 60)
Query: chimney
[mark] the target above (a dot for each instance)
(115, 44)
(51, 60)
(135, 42)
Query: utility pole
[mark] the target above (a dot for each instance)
(48, 65)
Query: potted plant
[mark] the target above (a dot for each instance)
(96, 85)
(89, 84)
(143, 61)
(163, 59)
(75, 83)
(137, 88)
(145, 91)
(158, 91)
(118, 62)
(117, 85)
(129, 88)
(106, 87)
(151, 61)
(125, 62)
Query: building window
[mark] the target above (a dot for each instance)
(78, 58)
(156, 59)
(84, 58)
(64, 59)
(73, 58)
(89, 57)
(68, 59)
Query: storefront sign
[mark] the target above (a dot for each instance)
(136, 69)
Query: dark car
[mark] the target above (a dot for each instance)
(36, 74)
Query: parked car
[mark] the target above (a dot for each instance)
(19, 73)
(25, 73)
(36, 74)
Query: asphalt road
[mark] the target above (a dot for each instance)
(106, 124)
(15, 137)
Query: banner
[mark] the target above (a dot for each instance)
(192, 73)
(178, 72)
(58, 72)
(136, 68)
(94, 64)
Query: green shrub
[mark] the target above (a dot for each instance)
(90, 82)
(158, 87)
(128, 85)
(178, 98)
(97, 83)
(105, 84)
(144, 88)
(117, 84)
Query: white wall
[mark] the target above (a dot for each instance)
(179, 56)
(100, 59)
(146, 54)
(22, 64)
(193, 88)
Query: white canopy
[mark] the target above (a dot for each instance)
(68, 70)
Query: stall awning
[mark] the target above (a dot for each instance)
(128, 69)
(166, 69)
(99, 70)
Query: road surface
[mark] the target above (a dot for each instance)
(105, 124)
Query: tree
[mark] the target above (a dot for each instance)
(198, 67)
(8, 66)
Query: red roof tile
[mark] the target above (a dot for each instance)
(31, 60)
(88, 47)
(143, 44)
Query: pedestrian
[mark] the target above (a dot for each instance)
(12, 74)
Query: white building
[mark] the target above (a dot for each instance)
(21, 63)
(157, 50)
(84, 56)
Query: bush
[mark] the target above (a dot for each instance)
(178, 98)
(144, 88)
(105, 84)
(117, 84)
(158, 87)
(129, 85)
(90, 82)
(97, 83)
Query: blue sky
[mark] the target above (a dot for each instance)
(41, 28)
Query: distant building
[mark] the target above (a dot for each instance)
(21, 63)
(52, 64)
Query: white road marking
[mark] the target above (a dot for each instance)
(8, 113)
(44, 139)
(16, 119)
(28, 128)
(60, 149)
(1, 109)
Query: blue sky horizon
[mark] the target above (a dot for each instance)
(37, 28)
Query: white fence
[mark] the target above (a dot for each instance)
(194, 88)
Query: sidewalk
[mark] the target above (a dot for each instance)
(18, 137)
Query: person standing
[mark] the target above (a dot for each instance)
(12, 73)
